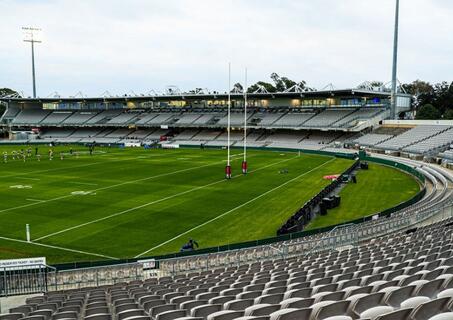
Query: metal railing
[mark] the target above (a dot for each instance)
(94, 276)
(339, 238)
(24, 280)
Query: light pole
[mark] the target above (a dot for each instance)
(30, 36)
(395, 62)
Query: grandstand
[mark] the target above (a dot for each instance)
(396, 264)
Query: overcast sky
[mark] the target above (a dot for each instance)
(139, 45)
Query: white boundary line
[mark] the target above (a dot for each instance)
(59, 248)
(153, 202)
(234, 209)
(109, 187)
(36, 200)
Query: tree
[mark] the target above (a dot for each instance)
(237, 87)
(7, 91)
(428, 112)
(268, 86)
(443, 96)
(422, 91)
(448, 115)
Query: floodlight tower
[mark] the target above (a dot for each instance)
(228, 166)
(395, 62)
(244, 162)
(30, 36)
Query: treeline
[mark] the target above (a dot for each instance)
(431, 101)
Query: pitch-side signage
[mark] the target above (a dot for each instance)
(148, 264)
(19, 264)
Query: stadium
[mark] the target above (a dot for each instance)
(330, 204)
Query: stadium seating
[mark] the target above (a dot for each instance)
(56, 117)
(371, 139)
(30, 116)
(328, 117)
(103, 117)
(10, 113)
(400, 276)
(236, 119)
(79, 117)
(123, 118)
(433, 144)
(413, 136)
(293, 119)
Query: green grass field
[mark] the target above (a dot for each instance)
(123, 203)
(376, 189)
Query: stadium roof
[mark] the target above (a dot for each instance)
(205, 96)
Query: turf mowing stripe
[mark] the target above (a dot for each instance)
(110, 187)
(25, 178)
(155, 201)
(59, 248)
(83, 183)
(234, 209)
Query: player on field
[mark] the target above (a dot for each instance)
(5, 157)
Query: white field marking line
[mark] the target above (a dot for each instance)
(234, 209)
(34, 179)
(59, 248)
(110, 187)
(78, 166)
(83, 183)
(36, 200)
(151, 203)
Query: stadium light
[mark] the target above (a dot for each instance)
(244, 162)
(395, 62)
(31, 35)
(228, 166)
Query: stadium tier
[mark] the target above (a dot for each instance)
(396, 264)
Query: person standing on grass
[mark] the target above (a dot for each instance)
(38, 156)
(5, 157)
(36, 151)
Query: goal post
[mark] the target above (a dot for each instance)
(27, 232)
